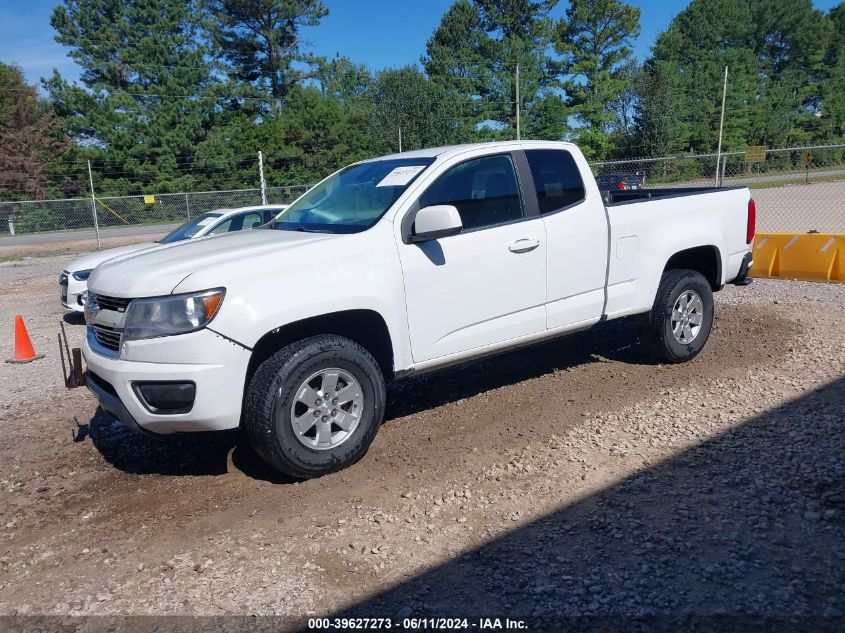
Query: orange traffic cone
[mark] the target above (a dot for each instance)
(24, 352)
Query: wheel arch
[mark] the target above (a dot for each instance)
(706, 260)
(366, 327)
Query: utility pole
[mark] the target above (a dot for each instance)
(94, 205)
(261, 176)
(721, 127)
(400, 139)
(517, 103)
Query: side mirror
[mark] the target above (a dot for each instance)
(434, 222)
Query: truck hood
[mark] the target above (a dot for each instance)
(92, 260)
(158, 271)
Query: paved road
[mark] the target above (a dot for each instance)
(70, 236)
(791, 176)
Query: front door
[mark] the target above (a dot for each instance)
(487, 284)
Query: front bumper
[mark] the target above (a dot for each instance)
(72, 292)
(215, 365)
(110, 401)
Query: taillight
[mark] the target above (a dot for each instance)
(752, 221)
(622, 186)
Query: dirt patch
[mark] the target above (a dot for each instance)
(23, 252)
(98, 520)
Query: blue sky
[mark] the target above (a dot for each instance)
(379, 33)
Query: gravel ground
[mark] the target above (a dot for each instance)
(572, 479)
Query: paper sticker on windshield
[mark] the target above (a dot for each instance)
(400, 176)
(208, 221)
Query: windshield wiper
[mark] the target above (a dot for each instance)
(307, 230)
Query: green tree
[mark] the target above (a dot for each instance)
(775, 51)
(324, 135)
(343, 79)
(595, 40)
(546, 118)
(146, 99)
(691, 57)
(30, 137)
(426, 112)
(833, 86)
(260, 40)
(624, 104)
(657, 127)
(790, 40)
(474, 53)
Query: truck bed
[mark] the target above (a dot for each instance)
(618, 197)
(646, 224)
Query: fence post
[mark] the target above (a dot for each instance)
(187, 206)
(721, 125)
(94, 205)
(261, 175)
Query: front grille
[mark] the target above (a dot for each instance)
(111, 303)
(107, 337)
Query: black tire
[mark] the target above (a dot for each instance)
(271, 393)
(656, 326)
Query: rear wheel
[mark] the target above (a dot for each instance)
(315, 406)
(681, 318)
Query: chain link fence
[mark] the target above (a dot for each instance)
(18, 218)
(796, 189)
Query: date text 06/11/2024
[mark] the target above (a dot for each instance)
(431, 623)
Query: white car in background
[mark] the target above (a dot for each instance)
(74, 279)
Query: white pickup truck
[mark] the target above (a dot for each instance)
(391, 267)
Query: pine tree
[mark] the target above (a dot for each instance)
(474, 53)
(657, 126)
(833, 86)
(260, 40)
(426, 112)
(31, 137)
(775, 51)
(790, 40)
(595, 39)
(145, 104)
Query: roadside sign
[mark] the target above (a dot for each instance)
(755, 154)
(149, 199)
(809, 157)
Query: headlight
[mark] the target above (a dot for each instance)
(176, 314)
(82, 275)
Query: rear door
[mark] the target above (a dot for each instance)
(576, 235)
(486, 284)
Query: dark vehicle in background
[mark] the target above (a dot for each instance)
(621, 181)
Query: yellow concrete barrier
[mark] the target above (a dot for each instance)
(808, 256)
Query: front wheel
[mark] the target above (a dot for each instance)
(315, 406)
(680, 321)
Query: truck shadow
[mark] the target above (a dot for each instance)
(208, 453)
(615, 340)
(743, 531)
(73, 318)
(182, 454)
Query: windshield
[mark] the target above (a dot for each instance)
(354, 198)
(190, 228)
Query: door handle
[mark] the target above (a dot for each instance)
(524, 245)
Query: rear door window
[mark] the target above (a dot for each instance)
(557, 179)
